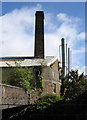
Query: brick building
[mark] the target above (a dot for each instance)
(51, 70)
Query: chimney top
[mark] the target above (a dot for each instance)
(40, 12)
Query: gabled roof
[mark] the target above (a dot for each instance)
(26, 61)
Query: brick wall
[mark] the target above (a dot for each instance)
(13, 96)
(50, 77)
(55, 65)
(48, 87)
(50, 74)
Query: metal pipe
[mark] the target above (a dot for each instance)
(66, 59)
(60, 54)
(63, 56)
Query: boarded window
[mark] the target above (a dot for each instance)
(54, 88)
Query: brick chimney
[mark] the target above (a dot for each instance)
(39, 35)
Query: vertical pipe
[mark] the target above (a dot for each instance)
(68, 60)
(60, 56)
(63, 56)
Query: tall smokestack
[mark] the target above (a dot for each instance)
(63, 56)
(39, 34)
(66, 59)
(69, 59)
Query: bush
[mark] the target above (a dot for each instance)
(75, 85)
(46, 100)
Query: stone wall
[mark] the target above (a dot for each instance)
(13, 96)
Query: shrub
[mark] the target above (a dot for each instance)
(46, 100)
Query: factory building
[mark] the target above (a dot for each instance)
(51, 71)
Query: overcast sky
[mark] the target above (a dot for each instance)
(67, 20)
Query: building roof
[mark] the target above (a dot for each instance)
(26, 61)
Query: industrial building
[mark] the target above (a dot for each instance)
(52, 70)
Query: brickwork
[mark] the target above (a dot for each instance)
(39, 35)
(49, 87)
(55, 65)
(50, 74)
(13, 96)
(50, 77)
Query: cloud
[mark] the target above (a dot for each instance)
(63, 17)
(78, 51)
(81, 36)
(17, 31)
(49, 23)
(68, 32)
(81, 70)
(69, 29)
(52, 44)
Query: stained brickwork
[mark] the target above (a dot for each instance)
(48, 87)
(39, 35)
(50, 74)
(50, 77)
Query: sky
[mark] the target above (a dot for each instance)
(62, 20)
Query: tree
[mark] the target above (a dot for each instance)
(75, 84)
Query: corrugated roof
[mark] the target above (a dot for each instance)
(26, 61)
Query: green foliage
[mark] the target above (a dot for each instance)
(21, 77)
(46, 101)
(43, 63)
(25, 77)
(75, 84)
(40, 82)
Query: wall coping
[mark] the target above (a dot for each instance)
(10, 86)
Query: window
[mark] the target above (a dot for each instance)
(54, 87)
